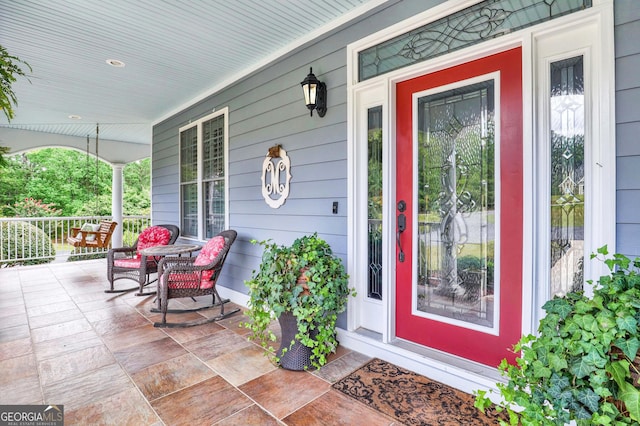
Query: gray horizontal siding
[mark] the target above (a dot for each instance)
(626, 109)
(626, 34)
(627, 48)
(627, 138)
(164, 176)
(265, 109)
(627, 206)
(626, 72)
(627, 234)
(626, 11)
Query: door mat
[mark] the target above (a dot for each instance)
(411, 398)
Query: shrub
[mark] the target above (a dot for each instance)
(583, 365)
(21, 240)
(86, 253)
(30, 207)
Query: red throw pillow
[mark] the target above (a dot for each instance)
(206, 256)
(153, 236)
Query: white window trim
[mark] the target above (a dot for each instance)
(368, 96)
(591, 38)
(200, 183)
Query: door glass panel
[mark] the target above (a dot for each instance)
(456, 205)
(567, 175)
(374, 202)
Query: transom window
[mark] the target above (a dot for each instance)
(203, 176)
(475, 24)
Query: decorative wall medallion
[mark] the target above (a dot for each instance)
(276, 174)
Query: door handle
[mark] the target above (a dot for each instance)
(402, 222)
(402, 225)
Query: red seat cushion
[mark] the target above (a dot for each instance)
(151, 237)
(131, 263)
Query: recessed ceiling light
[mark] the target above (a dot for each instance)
(115, 63)
(75, 117)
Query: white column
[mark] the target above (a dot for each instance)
(116, 203)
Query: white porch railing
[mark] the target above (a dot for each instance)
(32, 240)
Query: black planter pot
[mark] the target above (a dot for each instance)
(298, 357)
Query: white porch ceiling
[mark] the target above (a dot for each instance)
(175, 51)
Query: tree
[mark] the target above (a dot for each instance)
(137, 187)
(12, 183)
(72, 182)
(4, 151)
(69, 179)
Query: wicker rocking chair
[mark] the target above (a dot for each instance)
(191, 277)
(130, 263)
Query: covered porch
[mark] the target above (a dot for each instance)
(63, 340)
(129, 369)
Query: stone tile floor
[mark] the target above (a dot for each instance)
(64, 341)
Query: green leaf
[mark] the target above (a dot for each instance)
(629, 346)
(482, 401)
(583, 306)
(561, 381)
(605, 320)
(558, 306)
(541, 370)
(595, 359)
(589, 399)
(619, 371)
(581, 368)
(601, 250)
(628, 323)
(557, 363)
(586, 322)
(580, 412)
(631, 398)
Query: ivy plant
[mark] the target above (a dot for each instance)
(583, 364)
(309, 281)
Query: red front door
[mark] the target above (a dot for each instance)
(459, 208)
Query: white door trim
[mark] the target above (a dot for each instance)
(600, 19)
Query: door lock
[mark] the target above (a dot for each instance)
(402, 225)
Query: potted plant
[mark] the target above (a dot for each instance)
(9, 70)
(583, 365)
(305, 287)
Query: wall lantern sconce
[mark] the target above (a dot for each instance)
(315, 94)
